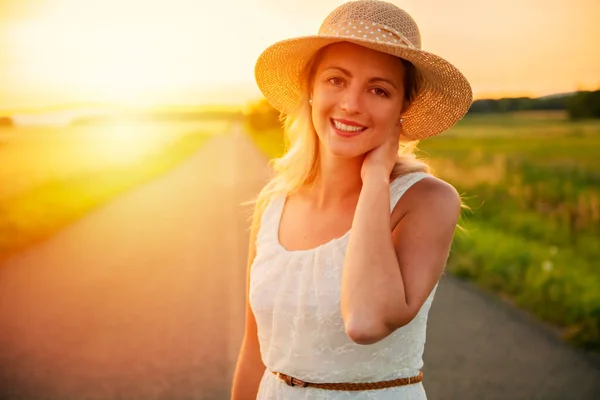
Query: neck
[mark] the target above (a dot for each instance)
(337, 181)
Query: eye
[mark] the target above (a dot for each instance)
(380, 92)
(336, 81)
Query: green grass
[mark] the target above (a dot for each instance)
(532, 181)
(554, 283)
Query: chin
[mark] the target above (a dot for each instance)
(342, 147)
(345, 150)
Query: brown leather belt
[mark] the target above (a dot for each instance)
(291, 381)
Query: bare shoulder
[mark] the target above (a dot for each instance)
(435, 190)
(430, 198)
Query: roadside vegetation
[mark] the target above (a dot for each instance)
(53, 176)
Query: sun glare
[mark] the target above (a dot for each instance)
(127, 52)
(113, 65)
(140, 52)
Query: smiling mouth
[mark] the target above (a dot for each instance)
(350, 129)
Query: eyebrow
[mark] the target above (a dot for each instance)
(374, 79)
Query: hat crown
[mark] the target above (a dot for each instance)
(376, 12)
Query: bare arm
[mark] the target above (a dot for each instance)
(250, 368)
(388, 274)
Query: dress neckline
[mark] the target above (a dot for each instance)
(282, 199)
(279, 212)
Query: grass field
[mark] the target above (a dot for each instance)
(52, 176)
(532, 181)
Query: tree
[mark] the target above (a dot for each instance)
(260, 115)
(584, 105)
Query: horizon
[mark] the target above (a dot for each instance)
(73, 107)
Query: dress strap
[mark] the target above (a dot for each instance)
(400, 185)
(269, 224)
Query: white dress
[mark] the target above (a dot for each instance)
(295, 297)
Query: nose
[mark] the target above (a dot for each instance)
(350, 101)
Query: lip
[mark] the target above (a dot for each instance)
(347, 122)
(345, 133)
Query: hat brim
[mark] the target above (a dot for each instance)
(444, 97)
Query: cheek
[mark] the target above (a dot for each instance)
(386, 121)
(321, 114)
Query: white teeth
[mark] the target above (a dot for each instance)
(347, 128)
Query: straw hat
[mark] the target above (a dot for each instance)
(444, 96)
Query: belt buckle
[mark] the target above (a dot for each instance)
(291, 381)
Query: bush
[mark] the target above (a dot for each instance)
(584, 105)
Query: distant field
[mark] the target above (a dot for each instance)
(532, 181)
(31, 156)
(51, 176)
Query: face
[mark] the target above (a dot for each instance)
(357, 98)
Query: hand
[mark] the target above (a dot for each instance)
(382, 158)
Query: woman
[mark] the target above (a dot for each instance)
(344, 259)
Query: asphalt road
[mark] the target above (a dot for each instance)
(143, 298)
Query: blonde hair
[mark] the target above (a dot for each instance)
(299, 164)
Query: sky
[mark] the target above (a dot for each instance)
(153, 52)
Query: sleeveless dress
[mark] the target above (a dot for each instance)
(295, 298)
